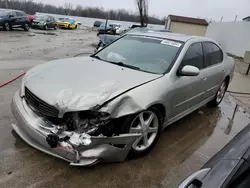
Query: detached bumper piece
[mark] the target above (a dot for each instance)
(78, 149)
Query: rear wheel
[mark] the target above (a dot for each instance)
(148, 124)
(75, 26)
(219, 95)
(55, 27)
(6, 26)
(26, 27)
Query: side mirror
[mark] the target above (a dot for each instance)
(189, 70)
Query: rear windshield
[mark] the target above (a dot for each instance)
(150, 54)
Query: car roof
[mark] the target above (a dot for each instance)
(8, 10)
(169, 35)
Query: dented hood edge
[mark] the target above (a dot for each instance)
(110, 100)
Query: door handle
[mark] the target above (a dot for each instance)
(224, 70)
(198, 176)
(205, 78)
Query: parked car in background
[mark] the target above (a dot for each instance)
(10, 19)
(44, 22)
(105, 29)
(31, 18)
(105, 40)
(229, 168)
(134, 94)
(67, 23)
(116, 28)
(97, 23)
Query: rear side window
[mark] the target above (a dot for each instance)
(193, 56)
(212, 53)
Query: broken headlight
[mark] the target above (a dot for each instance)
(89, 122)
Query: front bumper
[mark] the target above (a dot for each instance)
(36, 26)
(61, 25)
(30, 127)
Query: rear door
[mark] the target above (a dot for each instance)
(21, 18)
(214, 68)
(52, 22)
(189, 90)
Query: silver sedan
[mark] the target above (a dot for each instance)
(114, 104)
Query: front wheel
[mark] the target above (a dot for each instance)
(219, 95)
(45, 27)
(6, 26)
(148, 124)
(26, 27)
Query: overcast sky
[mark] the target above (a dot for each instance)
(211, 9)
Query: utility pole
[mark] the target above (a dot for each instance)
(6, 4)
(235, 17)
(221, 19)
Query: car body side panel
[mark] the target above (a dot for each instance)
(187, 91)
(219, 173)
(213, 77)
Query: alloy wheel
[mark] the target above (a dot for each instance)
(221, 92)
(7, 26)
(146, 124)
(26, 27)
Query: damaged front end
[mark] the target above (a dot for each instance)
(82, 138)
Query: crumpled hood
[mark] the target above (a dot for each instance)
(81, 83)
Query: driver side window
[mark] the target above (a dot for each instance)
(194, 56)
(12, 14)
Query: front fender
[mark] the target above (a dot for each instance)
(137, 100)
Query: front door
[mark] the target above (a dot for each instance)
(12, 18)
(188, 91)
(49, 22)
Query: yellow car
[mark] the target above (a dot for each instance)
(68, 23)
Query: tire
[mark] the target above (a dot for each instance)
(6, 26)
(45, 27)
(138, 148)
(26, 27)
(55, 27)
(69, 26)
(76, 27)
(219, 95)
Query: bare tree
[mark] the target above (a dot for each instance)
(67, 8)
(142, 6)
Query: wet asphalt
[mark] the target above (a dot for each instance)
(183, 148)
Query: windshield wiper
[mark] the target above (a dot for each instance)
(125, 65)
(96, 56)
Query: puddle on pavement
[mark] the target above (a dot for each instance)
(183, 148)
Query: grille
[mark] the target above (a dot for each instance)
(39, 105)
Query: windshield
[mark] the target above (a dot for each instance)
(3, 12)
(63, 19)
(148, 54)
